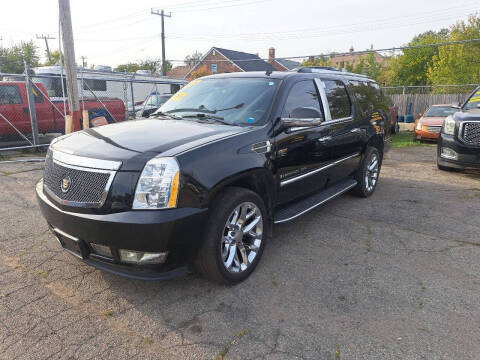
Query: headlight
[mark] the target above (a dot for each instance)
(449, 126)
(157, 187)
(419, 125)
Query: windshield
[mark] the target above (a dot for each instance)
(156, 100)
(440, 111)
(474, 101)
(237, 101)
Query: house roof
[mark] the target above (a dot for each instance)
(289, 64)
(245, 61)
(179, 72)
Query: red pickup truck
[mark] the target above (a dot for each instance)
(14, 107)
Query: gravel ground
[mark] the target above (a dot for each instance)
(395, 276)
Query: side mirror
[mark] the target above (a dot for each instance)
(303, 117)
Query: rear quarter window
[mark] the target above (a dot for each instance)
(10, 94)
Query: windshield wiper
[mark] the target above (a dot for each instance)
(202, 116)
(159, 113)
(202, 109)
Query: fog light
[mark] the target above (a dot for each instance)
(101, 250)
(448, 153)
(137, 257)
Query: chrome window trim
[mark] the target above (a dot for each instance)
(84, 162)
(299, 177)
(323, 96)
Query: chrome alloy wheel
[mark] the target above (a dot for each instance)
(242, 237)
(371, 174)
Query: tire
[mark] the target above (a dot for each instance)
(225, 241)
(367, 179)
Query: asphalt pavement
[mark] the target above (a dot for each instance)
(394, 276)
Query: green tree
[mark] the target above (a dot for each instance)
(12, 58)
(154, 65)
(412, 66)
(193, 59)
(317, 61)
(55, 58)
(458, 64)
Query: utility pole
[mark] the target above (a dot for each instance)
(84, 63)
(163, 15)
(46, 38)
(72, 122)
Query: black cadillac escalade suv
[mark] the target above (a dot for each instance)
(204, 179)
(459, 140)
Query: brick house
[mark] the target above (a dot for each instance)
(340, 61)
(281, 64)
(179, 72)
(218, 60)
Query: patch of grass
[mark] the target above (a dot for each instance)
(405, 139)
(422, 286)
(242, 333)
(421, 328)
(420, 304)
(108, 312)
(337, 352)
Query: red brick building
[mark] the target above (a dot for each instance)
(218, 60)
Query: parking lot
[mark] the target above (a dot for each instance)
(394, 276)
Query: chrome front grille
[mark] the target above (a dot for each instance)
(433, 128)
(471, 132)
(73, 185)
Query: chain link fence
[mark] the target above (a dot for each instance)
(33, 105)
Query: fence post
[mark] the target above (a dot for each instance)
(31, 105)
(133, 98)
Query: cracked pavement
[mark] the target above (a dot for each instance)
(395, 276)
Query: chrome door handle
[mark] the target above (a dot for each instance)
(325, 139)
(356, 130)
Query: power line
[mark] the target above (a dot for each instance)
(361, 52)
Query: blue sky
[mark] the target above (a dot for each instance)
(113, 32)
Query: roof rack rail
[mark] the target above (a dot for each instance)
(325, 69)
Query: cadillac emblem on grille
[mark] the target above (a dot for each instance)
(65, 183)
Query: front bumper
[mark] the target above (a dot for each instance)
(176, 231)
(468, 157)
(425, 135)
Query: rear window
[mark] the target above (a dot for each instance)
(367, 95)
(338, 99)
(9, 94)
(94, 85)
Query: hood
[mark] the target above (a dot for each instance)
(469, 115)
(432, 120)
(136, 141)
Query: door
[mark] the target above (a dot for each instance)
(299, 152)
(44, 111)
(344, 133)
(15, 109)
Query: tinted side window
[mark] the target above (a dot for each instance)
(9, 94)
(338, 99)
(95, 85)
(302, 94)
(364, 94)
